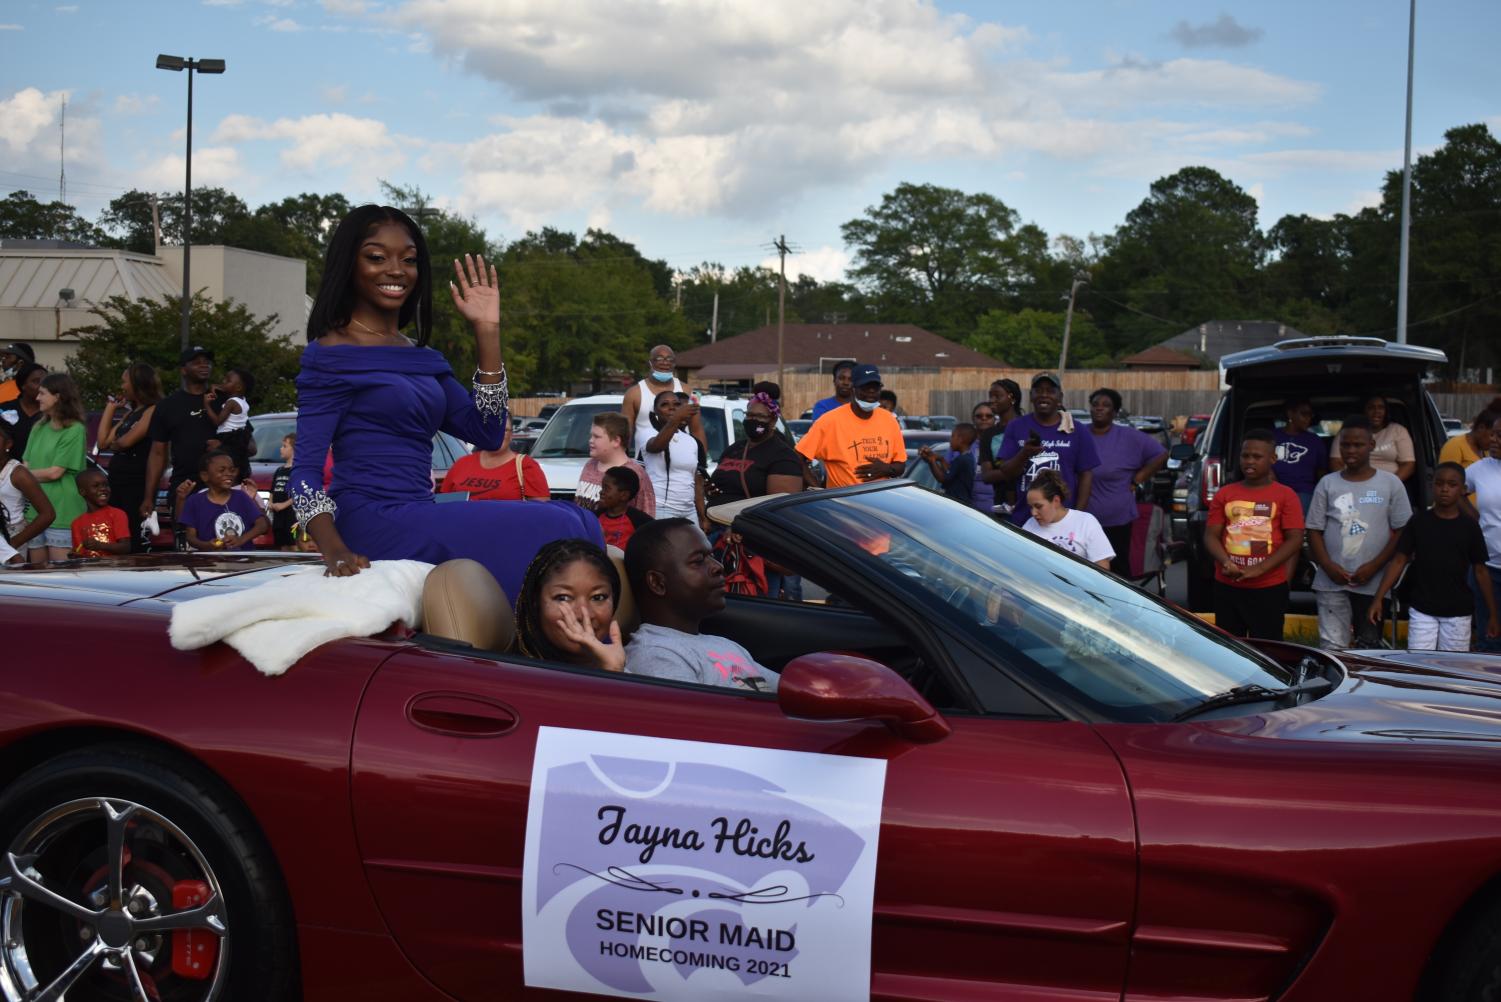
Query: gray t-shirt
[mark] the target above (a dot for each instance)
(1358, 518)
(695, 657)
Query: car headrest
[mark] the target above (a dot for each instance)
(626, 613)
(461, 600)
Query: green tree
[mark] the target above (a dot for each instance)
(23, 217)
(148, 330)
(582, 309)
(1031, 339)
(1191, 251)
(127, 219)
(940, 257)
(1455, 264)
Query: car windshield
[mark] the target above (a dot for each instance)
(269, 431)
(1060, 622)
(567, 434)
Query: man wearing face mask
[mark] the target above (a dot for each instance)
(860, 442)
(12, 357)
(637, 405)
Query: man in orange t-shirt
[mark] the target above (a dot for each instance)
(860, 441)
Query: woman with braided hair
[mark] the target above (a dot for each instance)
(376, 396)
(566, 608)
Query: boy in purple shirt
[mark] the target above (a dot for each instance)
(1035, 442)
(222, 517)
(1302, 457)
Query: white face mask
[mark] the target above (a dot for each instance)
(867, 405)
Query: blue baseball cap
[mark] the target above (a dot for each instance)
(864, 375)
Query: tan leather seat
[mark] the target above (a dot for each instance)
(626, 613)
(461, 600)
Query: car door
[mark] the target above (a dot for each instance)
(1006, 863)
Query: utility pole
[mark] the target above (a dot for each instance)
(62, 153)
(781, 246)
(1068, 321)
(156, 227)
(714, 321)
(1412, 24)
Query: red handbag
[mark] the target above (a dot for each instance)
(744, 572)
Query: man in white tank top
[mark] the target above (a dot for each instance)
(638, 401)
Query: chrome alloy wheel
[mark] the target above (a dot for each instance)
(87, 909)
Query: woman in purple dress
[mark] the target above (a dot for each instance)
(376, 397)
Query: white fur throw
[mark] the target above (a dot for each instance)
(274, 624)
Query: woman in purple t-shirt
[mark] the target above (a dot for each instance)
(1128, 458)
(1302, 457)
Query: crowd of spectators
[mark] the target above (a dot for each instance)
(60, 501)
(1346, 509)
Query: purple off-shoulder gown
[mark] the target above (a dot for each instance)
(378, 408)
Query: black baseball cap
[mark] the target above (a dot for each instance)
(188, 354)
(864, 375)
(1047, 377)
(20, 351)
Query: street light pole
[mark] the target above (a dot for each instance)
(178, 64)
(1412, 25)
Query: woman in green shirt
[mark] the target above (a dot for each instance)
(54, 455)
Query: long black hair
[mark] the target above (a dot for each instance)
(553, 557)
(335, 300)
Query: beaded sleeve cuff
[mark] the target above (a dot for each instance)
(309, 504)
(490, 399)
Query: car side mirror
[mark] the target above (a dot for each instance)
(827, 686)
(1181, 452)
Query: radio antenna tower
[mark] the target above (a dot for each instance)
(62, 146)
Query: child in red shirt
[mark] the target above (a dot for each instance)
(618, 487)
(1255, 530)
(101, 529)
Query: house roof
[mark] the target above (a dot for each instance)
(1216, 338)
(31, 279)
(1160, 357)
(808, 345)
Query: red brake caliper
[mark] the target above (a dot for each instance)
(194, 951)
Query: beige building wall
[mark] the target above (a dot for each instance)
(265, 283)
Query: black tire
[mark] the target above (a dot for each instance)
(262, 960)
(1469, 969)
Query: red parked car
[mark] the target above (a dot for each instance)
(1087, 794)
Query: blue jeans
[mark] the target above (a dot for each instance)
(1491, 645)
(788, 585)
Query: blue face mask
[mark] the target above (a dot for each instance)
(867, 405)
(661, 377)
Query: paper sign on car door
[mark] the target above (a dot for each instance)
(671, 869)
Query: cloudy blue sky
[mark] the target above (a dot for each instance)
(702, 129)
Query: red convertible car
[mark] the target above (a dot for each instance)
(1088, 795)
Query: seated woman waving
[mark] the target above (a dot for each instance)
(566, 609)
(376, 397)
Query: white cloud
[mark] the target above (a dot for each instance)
(26, 114)
(337, 94)
(314, 142)
(827, 264)
(11, 27)
(135, 104)
(696, 107)
(1363, 200)
(70, 8)
(275, 23)
(213, 166)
